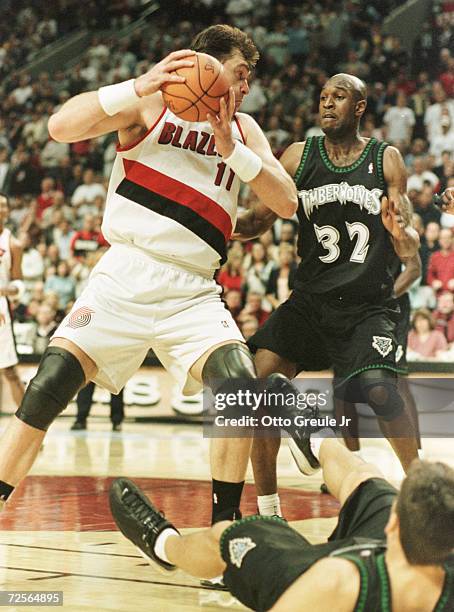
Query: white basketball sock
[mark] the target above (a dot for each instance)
(317, 439)
(160, 544)
(269, 505)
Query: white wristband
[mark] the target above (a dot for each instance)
(244, 162)
(20, 288)
(115, 98)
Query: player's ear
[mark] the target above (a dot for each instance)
(360, 107)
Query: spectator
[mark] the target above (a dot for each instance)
(433, 115)
(425, 342)
(234, 302)
(63, 235)
(253, 308)
(87, 192)
(231, 273)
(443, 316)
(445, 140)
(429, 245)
(47, 196)
(421, 175)
(425, 208)
(4, 169)
(258, 270)
(46, 325)
(62, 284)
(32, 263)
(440, 272)
(399, 121)
(281, 281)
(88, 239)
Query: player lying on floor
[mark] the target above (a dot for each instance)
(389, 551)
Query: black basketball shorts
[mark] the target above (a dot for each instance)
(264, 556)
(317, 332)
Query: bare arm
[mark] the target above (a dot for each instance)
(16, 268)
(259, 218)
(83, 117)
(396, 209)
(409, 274)
(330, 584)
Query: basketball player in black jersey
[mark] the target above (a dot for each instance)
(353, 211)
(403, 279)
(389, 550)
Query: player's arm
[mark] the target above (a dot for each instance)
(259, 218)
(396, 208)
(411, 272)
(254, 163)
(117, 107)
(330, 584)
(16, 286)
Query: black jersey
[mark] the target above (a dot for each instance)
(375, 589)
(342, 241)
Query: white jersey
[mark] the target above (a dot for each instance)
(8, 356)
(171, 195)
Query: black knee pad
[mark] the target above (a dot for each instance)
(58, 379)
(379, 388)
(229, 361)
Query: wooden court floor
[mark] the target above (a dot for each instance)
(57, 533)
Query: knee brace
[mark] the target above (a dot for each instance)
(58, 379)
(229, 361)
(379, 388)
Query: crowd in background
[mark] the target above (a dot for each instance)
(57, 191)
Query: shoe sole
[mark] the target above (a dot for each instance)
(162, 570)
(301, 460)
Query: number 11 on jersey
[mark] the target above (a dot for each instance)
(220, 174)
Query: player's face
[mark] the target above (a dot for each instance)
(237, 71)
(337, 110)
(4, 210)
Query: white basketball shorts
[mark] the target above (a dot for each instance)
(8, 355)
(132, 304)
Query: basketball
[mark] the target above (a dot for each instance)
(202, 91)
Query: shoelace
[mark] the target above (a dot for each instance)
(139, 508)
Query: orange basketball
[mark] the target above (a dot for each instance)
(202, 91)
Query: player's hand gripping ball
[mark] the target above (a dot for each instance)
(202, 91)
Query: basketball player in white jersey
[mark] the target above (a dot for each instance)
(170, 210)
(10, 286)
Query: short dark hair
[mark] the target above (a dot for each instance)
(425, 507)
(221, 41)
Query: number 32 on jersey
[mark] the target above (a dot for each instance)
(329, 237)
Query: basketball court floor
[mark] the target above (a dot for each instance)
(58, 535)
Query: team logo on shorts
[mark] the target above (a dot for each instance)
(382, 345)
(239, 548)
(80, 317)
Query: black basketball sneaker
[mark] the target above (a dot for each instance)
(300, 441)
(138, 519)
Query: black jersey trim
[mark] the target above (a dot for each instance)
(447, 590)
(384, 584)
(300, 168)
(381, 366)
(183, 215)
(341, 169)
(381, 174)
(364, 581)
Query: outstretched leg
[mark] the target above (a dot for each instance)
(15, 384)
(63, 370)
(265, 450)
